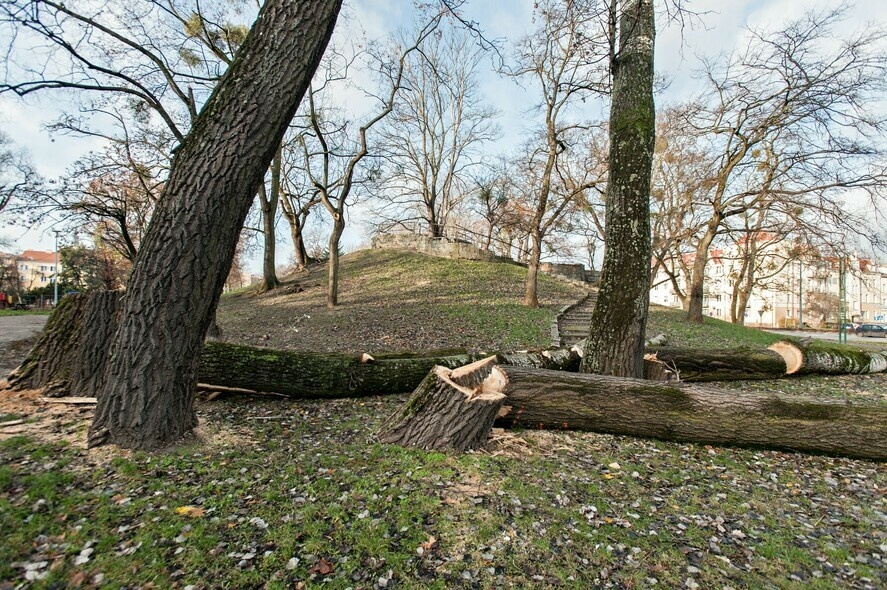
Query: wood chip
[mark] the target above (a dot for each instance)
(11, 423)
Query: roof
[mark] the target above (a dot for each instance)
(38, 256)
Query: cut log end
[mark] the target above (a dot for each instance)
(791, 354)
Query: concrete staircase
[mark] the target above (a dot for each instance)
(575, 322)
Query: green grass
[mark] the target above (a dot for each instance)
(711, 334)
(276, 497)
(12, 312)
(395, 301)
(278, 488)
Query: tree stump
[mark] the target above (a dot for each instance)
(70, 356)
(451, 409)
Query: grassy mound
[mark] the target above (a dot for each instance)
(392, 300)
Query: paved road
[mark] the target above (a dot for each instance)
(19, 327)
(827, 336)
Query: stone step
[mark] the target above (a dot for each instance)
(583, 332)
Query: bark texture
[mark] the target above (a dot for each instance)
(451, 409)
(48, 364)
(822, 358)
(96, 336)
(539, 398)
(695, 365)
(616, 345)
(70, 357)
(147, 398)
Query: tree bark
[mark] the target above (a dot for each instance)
(269, 202)
(697, 365)
(70, 357)
(822, 358)
(697, 277)
(531, 298)
(96, 335)
(616, 344)
(48, 364)
(332, 293)
(539, 398)
(147, 398)
(451, 409)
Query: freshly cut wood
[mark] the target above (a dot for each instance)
(451, 409)
(697, 365)
(539, 398)
(817, 357)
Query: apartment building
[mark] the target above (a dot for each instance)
(29, 270)
(808, 287)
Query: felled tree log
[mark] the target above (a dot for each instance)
(451, 409)
(823, 358)
(70, 358)
(322, 375)
(698, 365)
(539, 398)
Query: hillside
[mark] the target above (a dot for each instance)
(391, 300)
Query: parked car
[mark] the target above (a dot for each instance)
(872, 330)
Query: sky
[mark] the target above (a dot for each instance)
(720, 26)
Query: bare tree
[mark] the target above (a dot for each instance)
(430, 143)
(565, 63)
(788, 119)
(138, 71)
(15, 171)
(331, 155)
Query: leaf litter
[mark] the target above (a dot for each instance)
(310, 499)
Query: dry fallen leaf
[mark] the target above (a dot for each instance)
(430, 544)
(190, 511)
(322, 567)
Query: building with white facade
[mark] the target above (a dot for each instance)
(803, 286)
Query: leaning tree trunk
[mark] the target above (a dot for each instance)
(49, 363)
(71, 354)
(823, 358)
(147, 398)
(539, 398)
(616, 344)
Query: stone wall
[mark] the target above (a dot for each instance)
(441, 247)
(573, 272)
